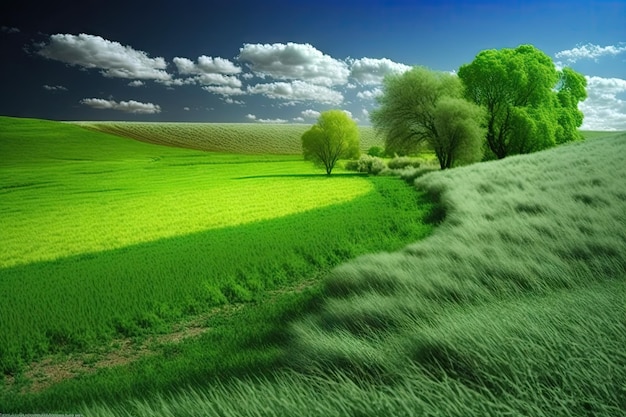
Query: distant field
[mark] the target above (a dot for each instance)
(281, 139)
(104, 236)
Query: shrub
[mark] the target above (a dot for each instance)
(400, 162)
(375, 151)
(371, 164)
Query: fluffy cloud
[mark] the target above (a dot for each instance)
(297, 91)
(310, 114)
(54, 87)
(131, 106)
(370, 71)
(590, 51)
(136, 83)
(298, 119)
(112, 58)
(603, 109)
(369, 94)
(224, 90)
(293, 61)
(206, 65)
(253, 118)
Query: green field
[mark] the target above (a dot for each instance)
(513, 306)
(251, 138)
(116, 238)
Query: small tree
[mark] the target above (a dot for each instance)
(335, 136)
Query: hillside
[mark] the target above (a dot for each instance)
(282, 139)
(514, 306)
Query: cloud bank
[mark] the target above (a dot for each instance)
(131, 106)
(590, 51)
(112, 58)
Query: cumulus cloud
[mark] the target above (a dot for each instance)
(369, 94)
(54, 87)
(136, 83)
(298, 119)
(310, 114)
(229, 100)
(297, 91)
(253, 118)
(603, 108)
(131, 106)
(224, 90)
(590, 51)
(186, 108)
(206, 65)
(370, 71)
(294, 61)
(112, 58)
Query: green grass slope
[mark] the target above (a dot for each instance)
(223, 137)
(514, 306)
(104, 237)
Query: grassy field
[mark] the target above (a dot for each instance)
(514, 306)
(250, 138)
(110, 239)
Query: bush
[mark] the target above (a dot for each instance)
(401, 162)
(371, 164)
(375, 151)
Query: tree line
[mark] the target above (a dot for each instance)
(505, 102)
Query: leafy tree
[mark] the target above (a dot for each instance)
(424, 106)
(530, 105)
(335, 136)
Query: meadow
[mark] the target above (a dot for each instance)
(246, 138)
(107, 240)
(513, 306)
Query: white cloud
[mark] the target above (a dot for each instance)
(206, 65)
(603, 109)
(186, 108)
(229, 100)
(369, 94)
(131, 106)
(310, 114)
(298, 119)
(590, 51)
(136, 83)
(294, 61)
(297, 91)
(271, 120)
(224, 90)
(370, 71)
(112, 58)
(253, 118)
(366, 113)
(54, 87)
(218, 79)
(349, 113)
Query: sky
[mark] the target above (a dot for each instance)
(277, 61)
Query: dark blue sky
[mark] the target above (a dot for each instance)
(244, 61)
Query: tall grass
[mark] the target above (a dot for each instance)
(223, 137)
(514, 306)
(105, 237)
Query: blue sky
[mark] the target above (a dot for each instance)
(281, 61)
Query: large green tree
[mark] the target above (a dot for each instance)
(423, 106)
(530, 105)
(335, 136)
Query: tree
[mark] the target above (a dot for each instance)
(334, 136)
(424, 106)
(530, 105)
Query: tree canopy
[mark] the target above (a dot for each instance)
(334, 136)
(530, 105)
(421, 106)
